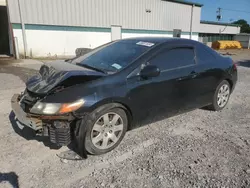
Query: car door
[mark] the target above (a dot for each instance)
(181, 67)
(162, 96)
(209, 74)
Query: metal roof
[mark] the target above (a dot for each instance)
(186, 2)
(219, 23)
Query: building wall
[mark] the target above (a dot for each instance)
(44, 40)
(130, 35)
(152, 34)
(2, 2)
(244, 39)
(130, 14)
(223, 29)
(58, 27)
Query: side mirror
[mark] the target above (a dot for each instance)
(150, 71)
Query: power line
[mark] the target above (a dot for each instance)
(236, 10)
(227, 9)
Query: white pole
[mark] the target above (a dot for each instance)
(191, 22)
(16, 48)
(23, 30)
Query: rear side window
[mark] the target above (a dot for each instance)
(204, 54)
(174, 58)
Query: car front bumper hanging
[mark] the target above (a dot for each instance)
(56, 127)
(22, 117)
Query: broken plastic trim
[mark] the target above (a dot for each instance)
(49, 117)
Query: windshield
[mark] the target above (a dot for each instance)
(114, 56)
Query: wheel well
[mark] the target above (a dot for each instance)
(128, 112)
(118, 105)
(230, 83)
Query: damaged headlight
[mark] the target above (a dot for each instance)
(56, 108)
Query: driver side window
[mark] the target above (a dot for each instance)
(174, 58)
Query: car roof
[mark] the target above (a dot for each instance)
(159, 40)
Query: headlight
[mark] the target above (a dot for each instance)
(56, 108)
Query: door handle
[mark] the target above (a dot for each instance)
(180, 79)
(192, 75)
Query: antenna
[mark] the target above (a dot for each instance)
(219, 17)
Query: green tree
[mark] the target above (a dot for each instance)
(245, 27)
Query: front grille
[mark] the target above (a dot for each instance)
(59, 133)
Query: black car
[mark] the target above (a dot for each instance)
(95, 98)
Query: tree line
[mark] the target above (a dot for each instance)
(245, 27)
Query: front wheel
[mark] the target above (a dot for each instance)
(105, 130)
(221, 96)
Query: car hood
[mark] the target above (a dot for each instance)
(59, 74)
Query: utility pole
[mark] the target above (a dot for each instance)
(218, 14)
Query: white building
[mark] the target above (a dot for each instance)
(2, 3)
(58, 27)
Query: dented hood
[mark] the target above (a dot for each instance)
(60, 73)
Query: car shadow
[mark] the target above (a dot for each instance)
(244, 63)
(29, 134)
(10, 177)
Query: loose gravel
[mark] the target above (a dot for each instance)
(197, 149)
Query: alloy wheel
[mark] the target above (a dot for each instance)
(107, 130)
(223, 95)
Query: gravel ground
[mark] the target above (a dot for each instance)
(197, 149)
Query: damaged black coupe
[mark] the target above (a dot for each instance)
(95, 98)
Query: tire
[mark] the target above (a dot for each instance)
(107, 130)
(215, 106)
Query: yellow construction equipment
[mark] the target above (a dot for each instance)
(224, 44)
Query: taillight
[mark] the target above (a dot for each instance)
(234, 66)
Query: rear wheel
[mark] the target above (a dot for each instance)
(105, 130)
(221, 96)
